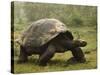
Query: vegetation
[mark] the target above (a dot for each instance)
(82, 19)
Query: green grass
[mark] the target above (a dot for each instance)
(58, 63)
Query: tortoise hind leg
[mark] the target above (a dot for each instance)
(23, 57)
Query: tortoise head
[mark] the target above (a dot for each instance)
(80, 43)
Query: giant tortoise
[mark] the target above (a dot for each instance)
(46, 37)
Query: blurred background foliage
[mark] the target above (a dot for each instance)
(71, 15)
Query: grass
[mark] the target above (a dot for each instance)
(60, 62)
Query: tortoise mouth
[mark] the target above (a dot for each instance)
(83, 43)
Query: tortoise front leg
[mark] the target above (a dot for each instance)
(46, 56)
(78, 54)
